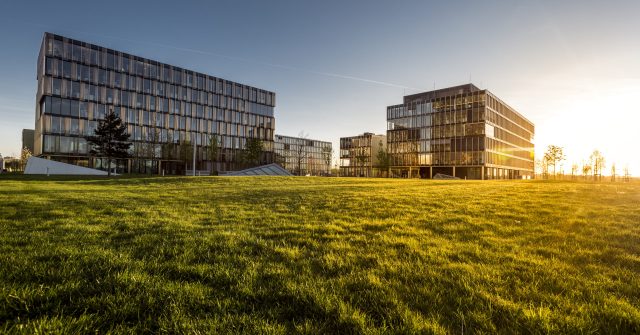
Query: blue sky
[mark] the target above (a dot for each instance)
(336, 65)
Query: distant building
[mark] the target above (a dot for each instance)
(303, 156)
(1, 163)
(167, 109)
(461, 131)
(28, 139)
(359, 155)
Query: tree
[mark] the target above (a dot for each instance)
(384, 161)
(186, 152)
(613, 172)
(361, 159)
(598, 162)
(574, 170)
(110, 139)
(24, 157)
(212, 151)
(299, 153)
(553, 156)
(586, 169)
(253, 151)
(327, 154)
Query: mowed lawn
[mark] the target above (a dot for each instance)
(318, 255)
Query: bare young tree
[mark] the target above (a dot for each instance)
(574, 170)
(300, 153)
(586, 169)
(553, 156)
(598, 162)
(327, 154)
(613, 172)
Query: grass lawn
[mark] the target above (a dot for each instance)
(318, 255)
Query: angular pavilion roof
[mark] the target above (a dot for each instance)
(264, 170)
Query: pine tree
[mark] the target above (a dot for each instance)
(110, 139)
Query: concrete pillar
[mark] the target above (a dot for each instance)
(431, 172)
(454, 171)
(482, 171)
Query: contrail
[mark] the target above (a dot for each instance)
(234, 58)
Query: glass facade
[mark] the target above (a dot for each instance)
(166, 109)
(303, 156)
(461, 131)
(359, 155)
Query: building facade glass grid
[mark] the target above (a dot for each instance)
(166, 108)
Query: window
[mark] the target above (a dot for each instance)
(65, 144)
(117, 80)
(75, 127)
(102, 77)
(75, 89)
(49, 143)
(124, 66)
(83, 109)
(55, 106)
(86, 72)
(74, 108)
(111, 61)
(65, 107)
(66, 69)
(147, 86)
(57, 90)
(57, 48)
(109, 95)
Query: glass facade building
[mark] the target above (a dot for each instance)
(168, 110)
(359, 155)
(303, 156)
(461, 131)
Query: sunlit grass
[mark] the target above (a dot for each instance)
(318, 255)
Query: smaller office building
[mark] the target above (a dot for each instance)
(359, 155)
(303, 156)
(28, 136)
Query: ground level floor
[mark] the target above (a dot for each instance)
(462, 172)
(148, 166)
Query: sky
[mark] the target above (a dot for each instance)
(571, 67)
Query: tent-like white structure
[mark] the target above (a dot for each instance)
(264, 170)
(36, 165)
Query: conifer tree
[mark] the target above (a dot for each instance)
(110, 139)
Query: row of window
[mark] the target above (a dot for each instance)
(123, 63)
(201, 130)
(53, 143)
(92, 111)
(89, 92)
(123, 81)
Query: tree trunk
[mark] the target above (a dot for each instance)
(108, 166)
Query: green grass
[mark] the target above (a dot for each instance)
(318, 255)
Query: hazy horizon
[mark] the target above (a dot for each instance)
(570, 68)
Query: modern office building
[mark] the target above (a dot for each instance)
(461, 131)
(168, 110)
(359, 155)
(303, 156)
(28, 139)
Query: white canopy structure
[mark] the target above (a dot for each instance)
(36, 165)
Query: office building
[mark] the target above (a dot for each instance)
(460, 131)
(359, 155)
(303, 156)
(167, 109)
